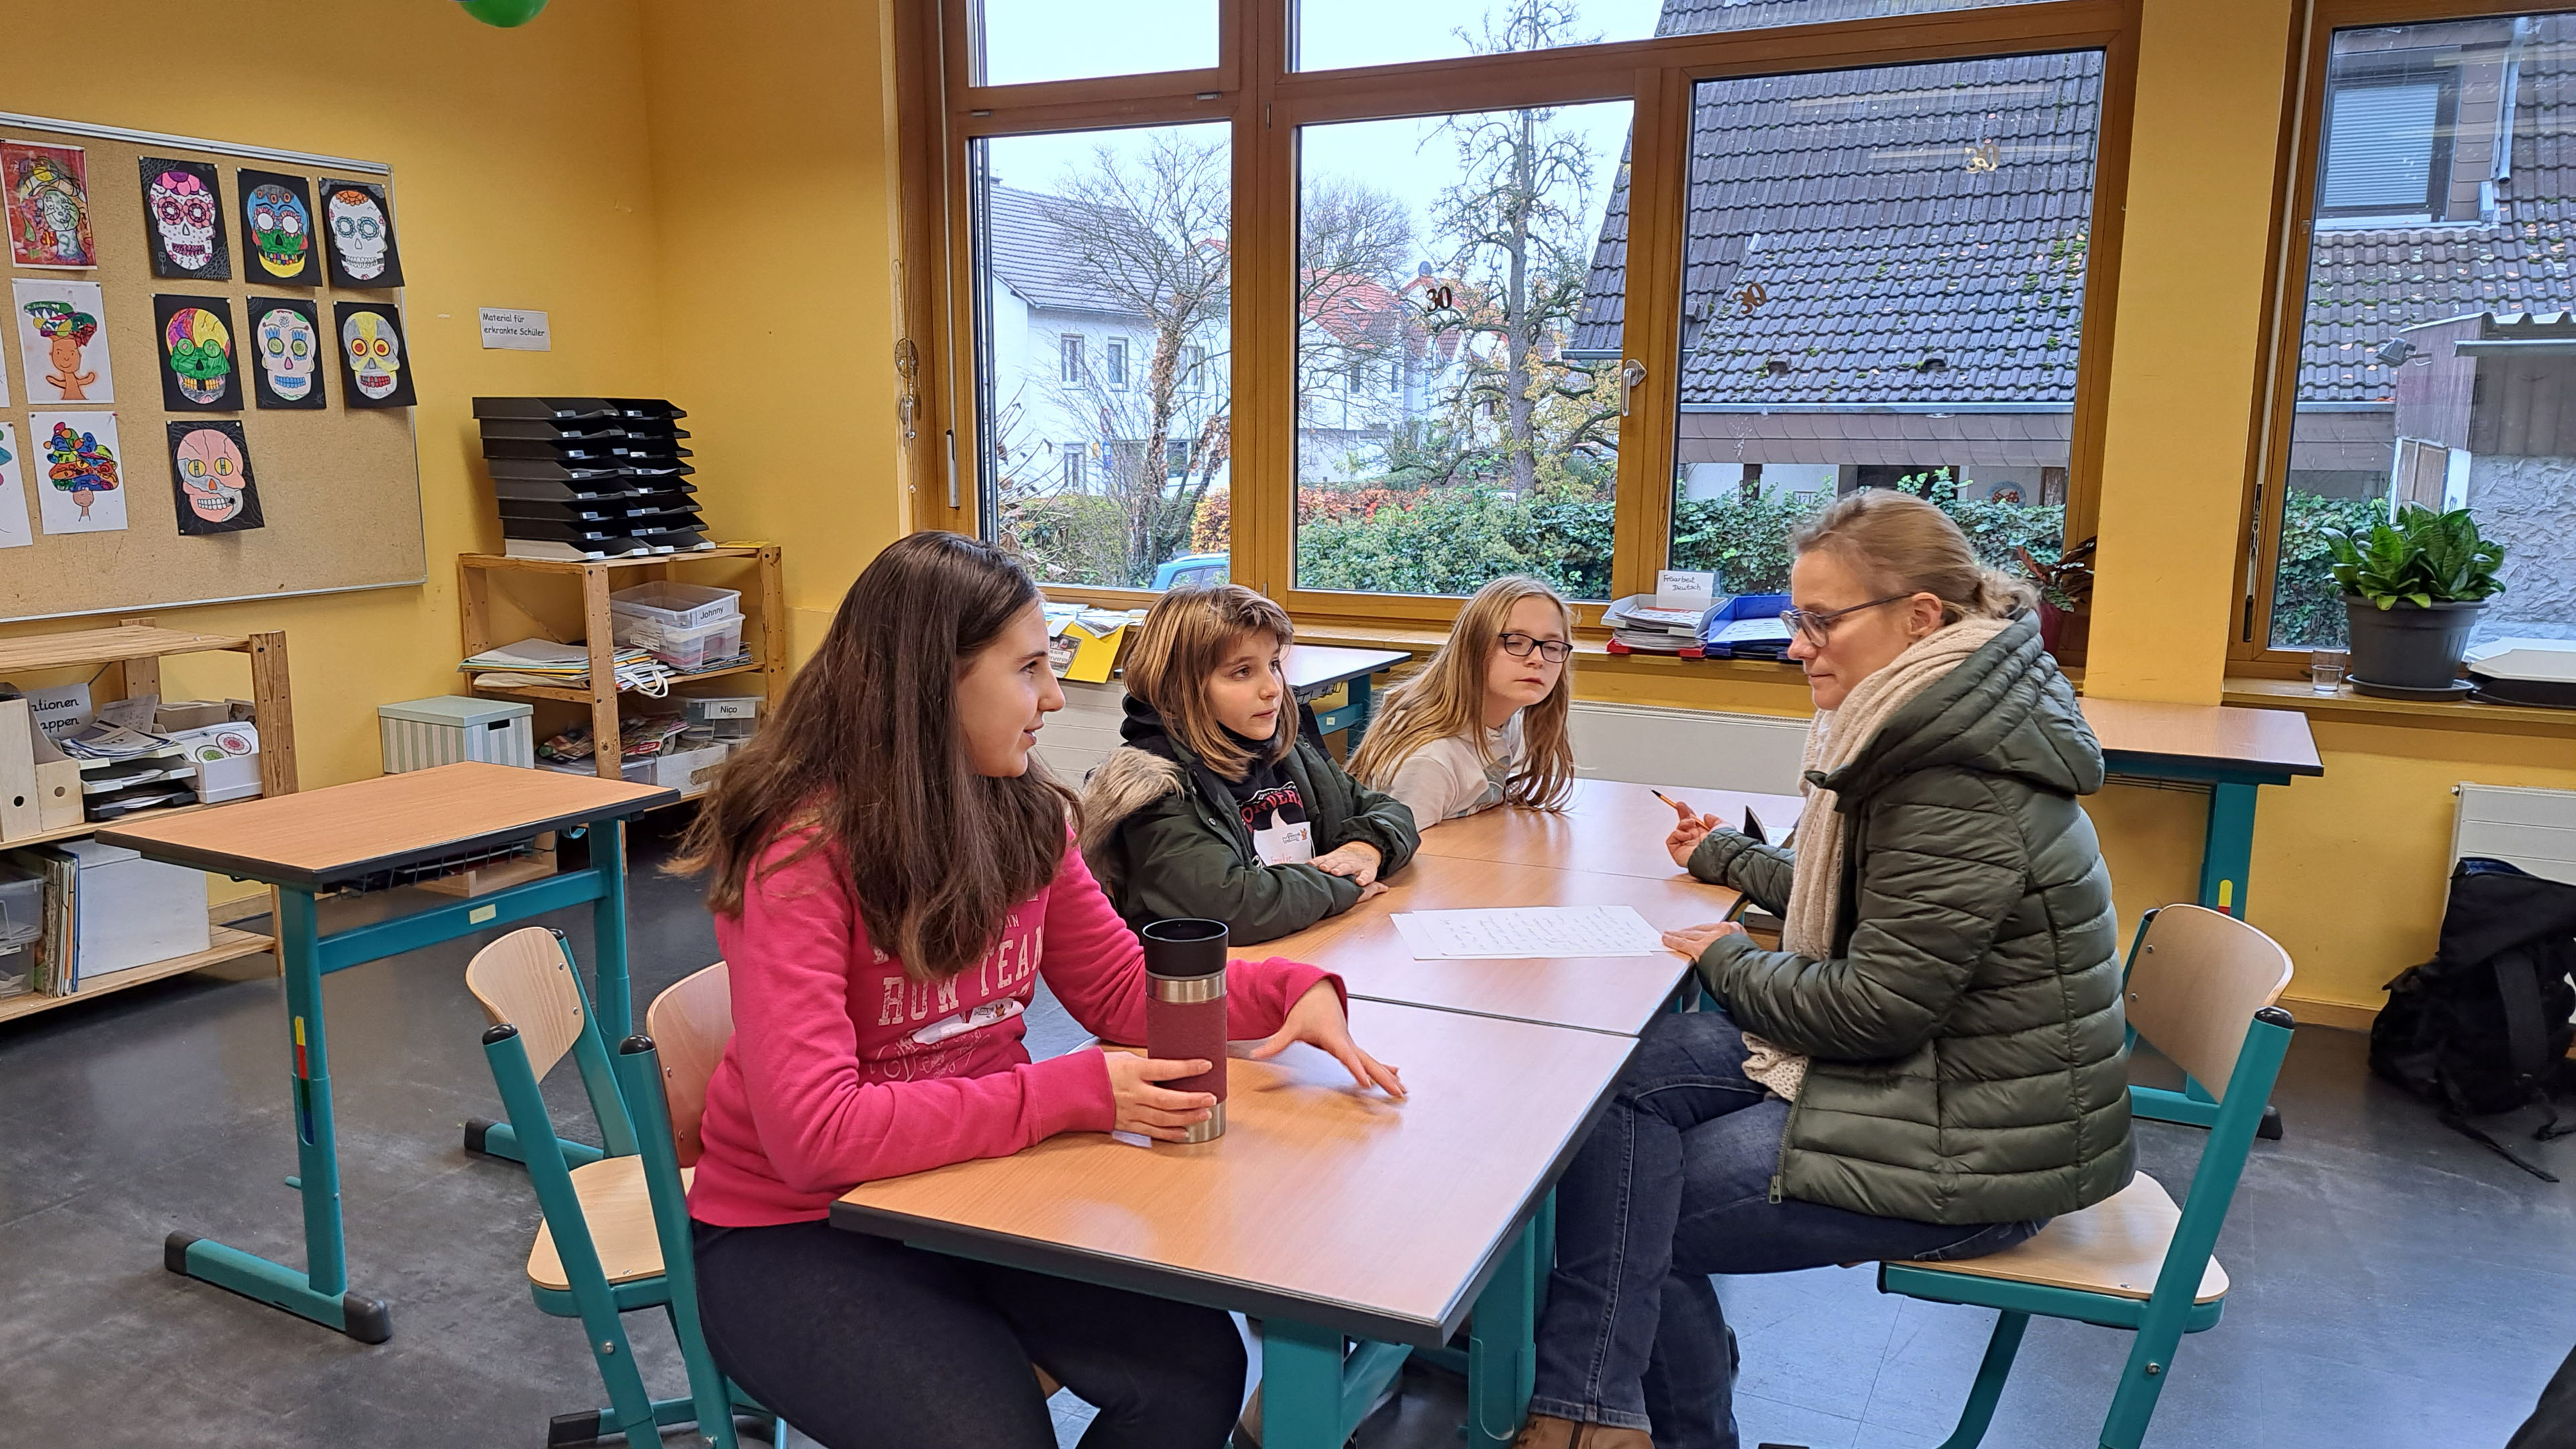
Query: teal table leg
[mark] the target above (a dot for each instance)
(2227, 851)
(1502, 1354)
(320, 1291)
(1301, 1386)
(610, 996)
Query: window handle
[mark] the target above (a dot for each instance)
(1632, 374)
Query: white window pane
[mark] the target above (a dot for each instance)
(1336, 33)
(1044, 40)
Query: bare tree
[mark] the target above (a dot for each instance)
(1354, 242)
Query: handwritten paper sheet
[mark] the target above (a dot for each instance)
(1523, 931)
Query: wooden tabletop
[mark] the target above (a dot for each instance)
(342, 833)
(1321, 1203)
(1321, 666)
(2257, 743)
(1606, 828)
(1617, 994)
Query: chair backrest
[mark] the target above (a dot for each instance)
(525, 979)
(2195, 981)
(690, 1024)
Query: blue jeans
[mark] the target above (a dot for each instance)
(1675, 1184)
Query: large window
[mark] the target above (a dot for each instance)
(1369, 307)
(2435, 360)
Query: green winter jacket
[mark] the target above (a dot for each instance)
(1163, 835)
(1968, 1051)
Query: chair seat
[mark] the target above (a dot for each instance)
(620, 1213)
(2115, 1247)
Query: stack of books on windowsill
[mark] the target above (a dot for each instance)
(1637, 626)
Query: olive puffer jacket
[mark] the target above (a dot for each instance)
(1968, 1050)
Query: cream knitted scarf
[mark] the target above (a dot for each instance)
(1834, 740)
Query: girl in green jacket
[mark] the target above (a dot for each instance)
(1223, 802)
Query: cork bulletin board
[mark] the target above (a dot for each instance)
(334, 501)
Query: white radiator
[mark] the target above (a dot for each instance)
(2533, 829)
(1639, 743)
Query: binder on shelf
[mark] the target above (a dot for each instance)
(21, 803)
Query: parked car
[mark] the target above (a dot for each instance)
(1192, 568)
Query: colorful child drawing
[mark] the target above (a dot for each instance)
(200, 348)
(210, 463)
(358, 233)
(182, 208)
(375, 353)
(281, 228)
(288, 357)
(48, 205)
(66, 330)
(82, 466)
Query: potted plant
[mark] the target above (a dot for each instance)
(2413, 589)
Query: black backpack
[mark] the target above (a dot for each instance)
(2483, 1027)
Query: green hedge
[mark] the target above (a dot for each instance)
(2307, 604)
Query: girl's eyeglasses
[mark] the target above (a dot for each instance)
(1816, 627)
(1519, 646)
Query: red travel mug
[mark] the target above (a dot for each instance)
(1185, 1008)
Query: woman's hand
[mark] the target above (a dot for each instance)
(1149, 1110)
(1371, 891)
(1686, 836)
(1692, 941)
(1317, 1019)
(1358, 860)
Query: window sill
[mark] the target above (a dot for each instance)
(2347, 707)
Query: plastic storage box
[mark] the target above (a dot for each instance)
(677, 606)
(420, 733)
(227, 760)
(691, 648)
(22, 908)
(135, 911)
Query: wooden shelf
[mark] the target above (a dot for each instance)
(582, 696)
(109, 646)
(227, 944)
(87, 827)
(623, 561)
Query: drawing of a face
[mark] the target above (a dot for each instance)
(183, 212)
(279, 228)
(210, 471)
(201, 353)
(66, 330)
(81, 466)
(286, 352)
(375, 357)
(359, 225)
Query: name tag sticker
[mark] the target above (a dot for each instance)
(480, 914)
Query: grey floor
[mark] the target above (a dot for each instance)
(2396, 1285)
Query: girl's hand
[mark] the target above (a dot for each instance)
(1357, 860)
(1693, 941)
(1688, 834)
(1149, 1110)
(1317, 1019)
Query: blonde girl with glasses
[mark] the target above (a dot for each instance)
(1484, 723)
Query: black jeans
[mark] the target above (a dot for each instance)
(1673, 1185)
(862, 1342)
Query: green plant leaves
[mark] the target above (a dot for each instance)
(2423, 557)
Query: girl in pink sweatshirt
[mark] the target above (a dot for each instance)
(890, 874)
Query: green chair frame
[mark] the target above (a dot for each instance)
(626, 1097)
(2161, 1319)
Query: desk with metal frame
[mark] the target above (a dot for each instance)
(1315, 669)
(2232, 750)
(371, 834)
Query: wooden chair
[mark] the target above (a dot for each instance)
(615, 1235)
(2201, 988)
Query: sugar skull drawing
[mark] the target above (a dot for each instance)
(183, 214)
(81, 465)
(280, 229)
(375, 354)
(212, 475)
(358, 232)
(288, 352)
(200, 348)
(49, 207)
(66, 330)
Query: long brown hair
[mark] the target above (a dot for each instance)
(1186, 636)
(865, 759)
(1448, 698)
(1901, 543)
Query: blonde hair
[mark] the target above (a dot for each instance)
(1189, 632)
(1448, 699)
(1903, 544)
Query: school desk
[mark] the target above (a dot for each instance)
(2233, 750)
(1617, 994)
(1316, 670)
(1606, 828)
(1324, 1210)
(375, 833)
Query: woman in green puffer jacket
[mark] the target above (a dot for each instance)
(1932, 1067)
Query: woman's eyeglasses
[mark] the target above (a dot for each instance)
(1519, 646)
(1817, 627)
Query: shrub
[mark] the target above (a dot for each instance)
(2307, 603)
(1211, 525)
(1068, 538)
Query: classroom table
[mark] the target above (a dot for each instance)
(371, 834)
(1314, 669)
(1608, 827)
(1324, 1210)
(2231, 749)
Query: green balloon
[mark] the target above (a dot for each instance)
(503, 13)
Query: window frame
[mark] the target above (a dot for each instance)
(1266, 103)
(2276, 388)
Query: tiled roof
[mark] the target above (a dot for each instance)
(1877, 220)
(1701, 17)
(2365, 284)
(1038, 252)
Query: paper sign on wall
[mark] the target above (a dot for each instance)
(516, 330)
